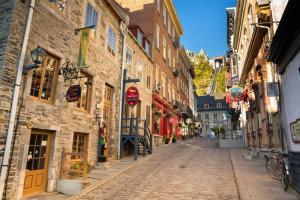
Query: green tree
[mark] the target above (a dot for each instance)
(220, 81)
(203, 75)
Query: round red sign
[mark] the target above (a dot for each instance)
(173, 120)
(132, 96)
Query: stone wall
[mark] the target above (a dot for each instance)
(54, 31)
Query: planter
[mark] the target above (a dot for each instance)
(167, 140)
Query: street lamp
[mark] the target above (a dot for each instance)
(38, 56)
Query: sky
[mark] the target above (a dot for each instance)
(204, 24)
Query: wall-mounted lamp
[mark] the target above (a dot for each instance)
(38, 56)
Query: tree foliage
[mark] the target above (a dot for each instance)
(221, 81)
(203, 75)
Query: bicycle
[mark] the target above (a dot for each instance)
(278, 168)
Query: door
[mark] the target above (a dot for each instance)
(37, 163)
(108, 95)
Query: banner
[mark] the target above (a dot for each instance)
(84, 47)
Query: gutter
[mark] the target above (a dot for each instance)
(12, 116)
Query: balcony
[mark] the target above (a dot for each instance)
(175, 71)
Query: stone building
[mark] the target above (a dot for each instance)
(259, 113)
(46, 122)
(159, 22)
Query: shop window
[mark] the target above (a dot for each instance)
(91, 17)
(79, 145)
(111, 47)
(43, 79)
(86, 91)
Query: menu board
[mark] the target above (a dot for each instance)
(295, 130)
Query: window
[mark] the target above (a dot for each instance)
(140, 37)
(91, 16)
(169, 56)
(206, 117)
(173, 93)
(157, 36)
(128, 63)
(158, 5)
(165, 14)
(86, 90)
(79, 145)
(216, 117)
(169, 24)
(164, 86)
(250, 18)
(139, 69)
(43, 79)
(219, 105)
(206, 106)
(169, 91)
(164, 48)
(157, 76)
(234, 66)
(173, 33)
(148, 76)
(111, 41)
(173, 61)
(147, 47)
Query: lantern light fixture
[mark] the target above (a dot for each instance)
(38, 56)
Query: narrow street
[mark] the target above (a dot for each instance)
(193, 170)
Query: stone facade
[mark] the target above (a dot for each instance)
(54, 31)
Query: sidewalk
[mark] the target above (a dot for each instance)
(104, 172)
(253, 180)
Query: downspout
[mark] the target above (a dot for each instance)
(12, 116)
(123, 28)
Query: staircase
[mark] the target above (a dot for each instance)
(136, 136)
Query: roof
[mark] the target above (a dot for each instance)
(212, 101)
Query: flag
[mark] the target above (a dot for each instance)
(84, 47)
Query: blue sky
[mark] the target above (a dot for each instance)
(204, 24)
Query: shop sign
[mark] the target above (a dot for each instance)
(295, 130)
(236, 93)
(272, 90)
(132, 96)
(173, 120)
(73, 93)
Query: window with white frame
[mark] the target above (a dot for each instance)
(165, 14)
(148, 77)
(250, 18)
(129, 65)
(173, 33)
(157, 36)
(111, 47)
(140, 37)
(158, 5)
(206, 106)
(169, 56)
(169, 90)
(173, 93)
(164, 48)
(157, 76)
(219, 105)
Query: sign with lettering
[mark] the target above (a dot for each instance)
(132, 96)
(272, 90)
(295, 130)
(236, 93)
(73, 93)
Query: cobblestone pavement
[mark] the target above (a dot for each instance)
(196, 169)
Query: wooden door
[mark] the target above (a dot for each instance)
(37, 163)
(107, 109)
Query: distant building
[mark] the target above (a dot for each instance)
(195, 56)
(211, 112)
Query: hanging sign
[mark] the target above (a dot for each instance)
(73, 93)
(132, 96)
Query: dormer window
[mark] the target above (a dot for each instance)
(206, 106)
(140, 37)
(219, 105)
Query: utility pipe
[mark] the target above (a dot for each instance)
(123, 28)
(12, 116)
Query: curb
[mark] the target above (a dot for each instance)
(235, 177)
(100, 183)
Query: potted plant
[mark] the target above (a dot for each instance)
(173, 139)
(167, 140)
(222, 131)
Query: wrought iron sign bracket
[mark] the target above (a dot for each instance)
(77, 30)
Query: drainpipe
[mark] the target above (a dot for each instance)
(12, 116)
(123, 28)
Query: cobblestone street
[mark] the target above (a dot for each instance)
(193, 170)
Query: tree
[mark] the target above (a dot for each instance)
(203, 75)
(220, 81)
